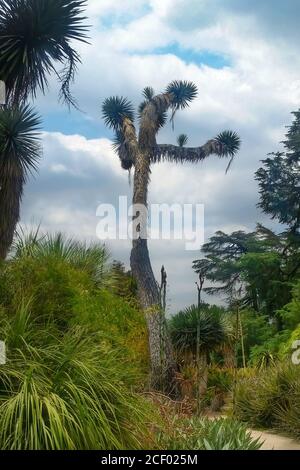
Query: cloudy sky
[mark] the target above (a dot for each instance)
(244, 57)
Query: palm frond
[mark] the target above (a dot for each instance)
(182, 140)
(115, 109)
(36, 37)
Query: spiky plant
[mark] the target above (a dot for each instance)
(64, 390)
(93, 258)
(20, 151)
(36, 37)
(199, 331)
(182, 140)
(215, 329)
(140, 151)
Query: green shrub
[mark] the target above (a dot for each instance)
(70, 393)
(271, 399)
(76, 352)
(220, 378)
(207, 434)
(290, 314)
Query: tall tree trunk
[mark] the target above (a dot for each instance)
(162, 362)
(11, 189)
(203, 368)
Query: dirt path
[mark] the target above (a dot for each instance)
(275, 442)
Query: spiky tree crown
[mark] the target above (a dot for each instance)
(114, 110)
(215, 329)
(178, 95)
(183, 93)
(35, 36)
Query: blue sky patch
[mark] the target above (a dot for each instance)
(114, 20)
(209, 58)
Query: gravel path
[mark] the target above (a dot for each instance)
(275, 442)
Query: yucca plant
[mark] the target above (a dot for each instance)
(200, 330)
(20, 152)
(140, 151)
(36, 37)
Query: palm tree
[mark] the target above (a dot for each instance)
(140, 151)
(20, 151)
(198, 332)
(35, 38)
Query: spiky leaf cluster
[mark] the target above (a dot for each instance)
(183, 92)
(36, 37)
(114, 110)
(20, 147)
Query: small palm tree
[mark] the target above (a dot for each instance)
(140, 151)
(199, 332)
(35, 37)
(20, 151)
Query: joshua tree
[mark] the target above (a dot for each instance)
(35, 37)
(140, 151)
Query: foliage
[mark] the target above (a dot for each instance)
(220, 378)
(262, 265)
(183, 93)
(114, 110)
(271, 400)
(267, 353)
(76, 352)
(290, 313)
(206, 434)
(212, 321)
(64, 391)
(19, 153)
(35, 37)
(279, 180)
(124, 284)
(19, 143)
(257, 331)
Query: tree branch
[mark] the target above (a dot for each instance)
(173, 153)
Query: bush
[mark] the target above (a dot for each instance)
(271, 400)
(290, 314)
(73, 353)
(207, 434)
